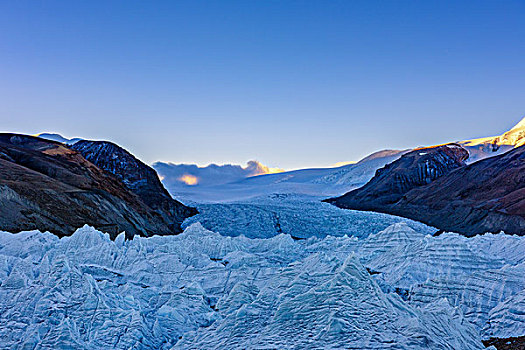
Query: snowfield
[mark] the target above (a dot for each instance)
(398, 288)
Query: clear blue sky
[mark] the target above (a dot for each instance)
(290, 83)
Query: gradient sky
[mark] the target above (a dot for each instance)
(289, 83)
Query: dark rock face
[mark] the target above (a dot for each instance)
(137, 177)
(514, 343)
(434, 186)
(416, 168)
(47, 186)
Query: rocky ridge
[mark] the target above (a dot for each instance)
(48, 186)
(436, 187)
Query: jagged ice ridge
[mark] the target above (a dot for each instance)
(203, 290)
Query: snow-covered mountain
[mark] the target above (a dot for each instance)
(490, 146)
(227, 183)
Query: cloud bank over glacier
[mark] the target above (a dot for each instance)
(191, 174)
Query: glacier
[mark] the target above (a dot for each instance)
(393, 287)
(298, 215)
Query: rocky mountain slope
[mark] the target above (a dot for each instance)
(136, 176)
(485, 196)
(46, 185)
(416, 168)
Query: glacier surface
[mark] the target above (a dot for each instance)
(300, 216)
(398, 288)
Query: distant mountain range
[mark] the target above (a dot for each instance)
(471, 187)
(207, 183)
(218, 185)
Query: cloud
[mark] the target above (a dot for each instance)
(189, 180)
(256, 168)
(183, 175)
